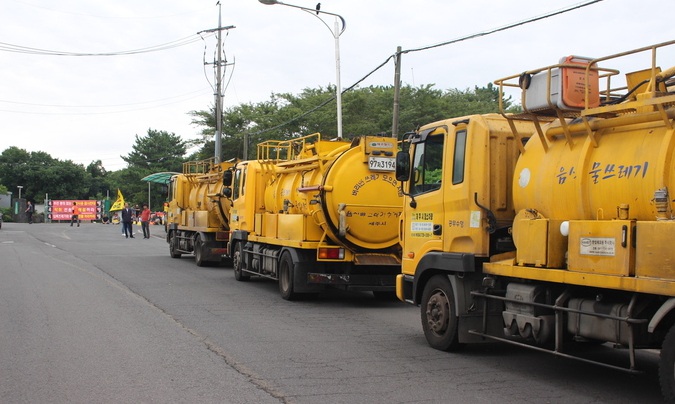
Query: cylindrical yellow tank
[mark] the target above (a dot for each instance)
(628, 166)
(199, 197)
(349, 190)
(199, 189)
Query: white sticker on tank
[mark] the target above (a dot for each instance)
(524, 177)
(474, 220)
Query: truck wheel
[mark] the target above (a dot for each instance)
(439, 314)
(667, 366)
(238, 263)
(199, 254)
(173, 246)
(286, 277)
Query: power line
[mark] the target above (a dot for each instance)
(323, 104)
(191, 94)
(6, 47)
(110, 17)
(446, 43)
(506, 27)
(197, 94)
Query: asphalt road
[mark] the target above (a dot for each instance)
(89, 316)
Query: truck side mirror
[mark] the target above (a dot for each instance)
(227, 178)
(402, 166)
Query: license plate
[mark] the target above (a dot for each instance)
(381, 164)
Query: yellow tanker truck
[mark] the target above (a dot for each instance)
(314, 213)
(551, 228)
(197, 215)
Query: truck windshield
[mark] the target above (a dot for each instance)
(428, 164)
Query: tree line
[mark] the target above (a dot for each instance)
(365, 111)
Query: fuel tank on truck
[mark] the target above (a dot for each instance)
(579, 180)
(349, 189)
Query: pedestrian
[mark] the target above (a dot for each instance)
(127, 220)
(118, 220)
(137, 213)
(75, 215)
(145, 221)
(29, 212)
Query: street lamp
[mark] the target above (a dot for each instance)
(19, 186)
(336, 32)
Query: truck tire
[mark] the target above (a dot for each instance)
(667, 367)
(237, 263)
(199, 254)
(173, 246)
(286, 277)
(439, 314)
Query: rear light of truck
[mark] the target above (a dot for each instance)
(332, 253)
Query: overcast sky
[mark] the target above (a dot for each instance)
(86, 108)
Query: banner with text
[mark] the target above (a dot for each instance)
(63, 209)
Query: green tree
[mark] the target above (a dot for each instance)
(158, 151)
(13, 167)
(365, 111)
(64, 180)
(98, 180)
(39, 174)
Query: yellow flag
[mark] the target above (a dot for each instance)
(119, 203)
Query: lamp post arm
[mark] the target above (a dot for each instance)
(316, 13)
(342, 20)
(335, 32)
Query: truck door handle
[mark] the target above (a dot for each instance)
(438, 230)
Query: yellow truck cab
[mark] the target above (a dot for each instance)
(458, 208)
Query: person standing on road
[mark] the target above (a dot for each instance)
(75, 215)
(137, 213)
(145, 221)
(127, 220)
(29, 212)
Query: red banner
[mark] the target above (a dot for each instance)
(63, 209)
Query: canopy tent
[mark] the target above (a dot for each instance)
(160, 178)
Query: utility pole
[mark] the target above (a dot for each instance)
(219, 85)
(397, 92)
(219, 93)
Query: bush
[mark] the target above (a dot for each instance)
(7, 214)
